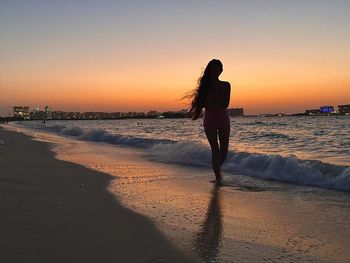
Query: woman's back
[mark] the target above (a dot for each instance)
(218, 95)
(216, 103)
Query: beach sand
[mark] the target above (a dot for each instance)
(56, 211)
(248, 220)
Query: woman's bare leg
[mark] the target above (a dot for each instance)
(212, 136)
(224, 137)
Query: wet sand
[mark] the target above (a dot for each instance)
(57, 211)
(248, 220)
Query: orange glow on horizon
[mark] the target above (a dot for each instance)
(261, 88)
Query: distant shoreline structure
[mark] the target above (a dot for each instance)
(23, 113)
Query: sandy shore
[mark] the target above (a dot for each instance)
(56, 211)
(248, 220)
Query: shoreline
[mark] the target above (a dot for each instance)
(268, 153)
(248, 220)
(57, 211)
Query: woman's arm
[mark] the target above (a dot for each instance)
(227, 94)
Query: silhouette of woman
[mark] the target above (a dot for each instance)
(213, 95)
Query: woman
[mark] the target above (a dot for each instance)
(213, 95)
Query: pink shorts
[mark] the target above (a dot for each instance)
(215, 118)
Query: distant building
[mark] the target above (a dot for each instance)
(48, 112)
(326, 109)
(37, 114)
(57, 115)
(234, 112)
(312, 112)
(21, 112)
(344, 109)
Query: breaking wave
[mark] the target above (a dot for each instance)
(265, 166)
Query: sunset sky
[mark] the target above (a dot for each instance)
(280, 56)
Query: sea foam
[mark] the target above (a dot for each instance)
(266, 166)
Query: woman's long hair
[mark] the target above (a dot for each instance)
(199, 94)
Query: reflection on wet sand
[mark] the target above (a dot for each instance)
(208, 239)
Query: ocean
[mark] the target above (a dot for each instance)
(313, 151)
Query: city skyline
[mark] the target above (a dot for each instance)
(284, 56)
(46, 112)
